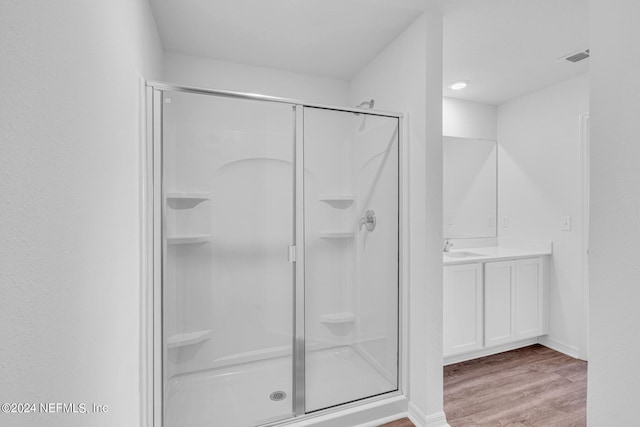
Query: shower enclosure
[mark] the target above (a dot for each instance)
(276, 254)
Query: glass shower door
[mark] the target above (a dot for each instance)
(351, 256)
(227, 288)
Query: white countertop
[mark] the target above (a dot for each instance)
(493, 253)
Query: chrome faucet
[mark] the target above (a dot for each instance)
(447, 245)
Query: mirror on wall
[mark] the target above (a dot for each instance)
(470, 187)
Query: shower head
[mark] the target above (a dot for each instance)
(368, 104)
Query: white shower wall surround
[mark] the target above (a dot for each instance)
(277, 304)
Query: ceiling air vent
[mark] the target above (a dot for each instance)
(578, 56)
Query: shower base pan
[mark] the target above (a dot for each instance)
(256, 393)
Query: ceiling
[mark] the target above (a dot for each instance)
(505, 48)
(330, 38)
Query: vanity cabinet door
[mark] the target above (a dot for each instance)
(462, 305)
(530, 297)
(500, 302)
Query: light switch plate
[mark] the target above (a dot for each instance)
(566, 223)
(505, 222)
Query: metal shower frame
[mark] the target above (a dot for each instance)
(153, 215)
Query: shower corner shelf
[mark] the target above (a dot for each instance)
(337, 234)
(188, 240)
(334, 318)
(178, 200)
(189, 338)
(338, 201)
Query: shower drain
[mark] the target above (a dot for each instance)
(277, 395)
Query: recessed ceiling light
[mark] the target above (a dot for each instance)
(458, 85)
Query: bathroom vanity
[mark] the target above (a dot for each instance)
(495, 299)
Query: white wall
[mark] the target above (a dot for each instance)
(614, 372)
(466, 119)
(407, 77)
(539, 181)
(209, 73)
(70, 247)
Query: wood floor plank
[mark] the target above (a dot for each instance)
(531, 386)
(492, 396)
(480, 368)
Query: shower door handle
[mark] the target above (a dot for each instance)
(368, 220)
(292, 253)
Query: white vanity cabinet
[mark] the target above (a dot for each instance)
(462, 308)
(499, 302)
(514, 300)
(494, 305)
(531, 296)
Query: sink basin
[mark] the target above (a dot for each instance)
(460, 254)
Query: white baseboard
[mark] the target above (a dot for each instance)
(489, 351)
(569, 350)
(421, 420)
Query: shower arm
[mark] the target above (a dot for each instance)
(368, 104)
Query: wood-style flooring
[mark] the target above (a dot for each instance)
(530, 386)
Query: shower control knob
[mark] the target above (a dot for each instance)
(368, 220)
